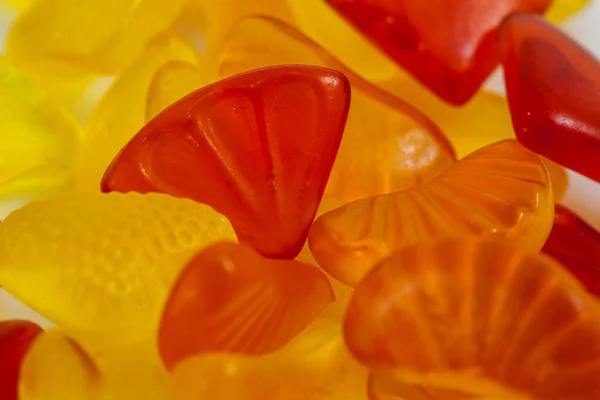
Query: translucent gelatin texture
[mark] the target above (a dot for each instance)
(15, 338)
(231, 299)
(103, 264)
(501, 189)
(258, 147)
(553, 87)
(577, 246)
(388, 145)
(449, 45)
(315, 365)
(479, 318)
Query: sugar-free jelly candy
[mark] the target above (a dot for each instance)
(502, 189)
(57, 368)
(315, 365)
(103, 263)
(388, 145)
(475, 318)
(562, 9)
(553, 87)
(449, 45)
(39, 140)
(121, 113)
(15, 338)
(102, 36)
(231, 299)
(258, 147)
(577, 246)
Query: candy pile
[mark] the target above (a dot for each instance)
(298, 199)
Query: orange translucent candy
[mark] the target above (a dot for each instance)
(388, 145)
(501, 189)
(231, 299)
(475, 319)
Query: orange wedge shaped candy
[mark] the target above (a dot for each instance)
(501, 189)
(478, 318)
(388, 145)
(231, 299)
(257, 147)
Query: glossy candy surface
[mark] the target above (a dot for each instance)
(388, 145)
(576, 245)
(449, 45)
(231, 299)
(315, 365)
(15, 338)
(478, 318)
(552, 87)
(57, 368)
(267, 139)
(102, 264)
(501, 189)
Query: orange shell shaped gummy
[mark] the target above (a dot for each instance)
(231, 299)
(475, 318)
(501, 189)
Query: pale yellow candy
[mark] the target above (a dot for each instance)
(57, 368)
(122, 111)
(39, 140)
(101, 265)
(101, 35)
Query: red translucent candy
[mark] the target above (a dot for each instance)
(231, 299)
(577, 246)
(553, 89)
(15, 339)
(449, 45)
(258, 147)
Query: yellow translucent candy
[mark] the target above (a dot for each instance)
(101, 35)
(57, 368)
(315, 365)
(18, 4)
(122, 111)
(171, 82)
(39, 140)
(562, 9)
(101, 265)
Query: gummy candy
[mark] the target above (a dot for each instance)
(258, 147)
(122, 111)
(449, 45)
(315, 365)
(502, 189)
(57, 368)
(103, 36)
(388, 145)
(562, 9)
(475, 318)
(15, 338)
(552, 90)
(231, 299)
(577, 246)
(558, 177)
(39, 139)
(101, 265)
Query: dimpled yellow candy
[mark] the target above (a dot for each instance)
(39, 140)
(102, 264)
(315, 365)
(101, 35)
(560, 10)
(122, 111)
(57, 368)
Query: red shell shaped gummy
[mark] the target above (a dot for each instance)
(258, 147)
(449, 45)
(553, 90)
(15, 338)
(577, 246)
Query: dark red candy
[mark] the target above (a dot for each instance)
(449, 45)
(577, 246)
(258, 147)
(553, 89)
(15, 339)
